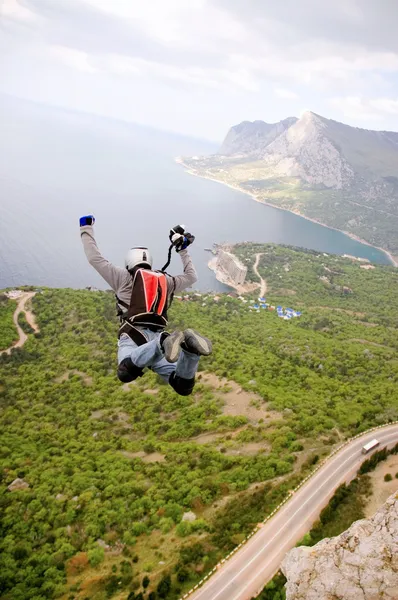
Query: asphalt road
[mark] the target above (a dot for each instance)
(246, 572)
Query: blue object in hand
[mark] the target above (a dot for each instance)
(184, 244)
(87, 220)
(188, 239)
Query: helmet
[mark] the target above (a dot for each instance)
(138, 256)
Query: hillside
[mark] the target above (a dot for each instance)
(112, 469)
(341, 176)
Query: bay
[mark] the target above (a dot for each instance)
(57, 165)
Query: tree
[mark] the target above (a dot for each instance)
(145, 582)
(183, 529)
(182, 574)
(96, 556)
(111, 585)
(149, 448)
(164, 586)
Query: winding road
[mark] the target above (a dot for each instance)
(246, 572)
(21, 307)
(263, 289)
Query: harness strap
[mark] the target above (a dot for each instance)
(163, 269)
(137, 336)
(121, 302)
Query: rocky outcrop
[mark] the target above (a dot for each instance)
(189, 516)
(305, 151)
(251, 138)
(18, 484)
(359, 564)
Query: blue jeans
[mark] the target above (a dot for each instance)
(151, 355)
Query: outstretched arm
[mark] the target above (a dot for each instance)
(113, 275)
(189, 276)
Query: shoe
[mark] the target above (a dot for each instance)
(196, 343)
(171, 345)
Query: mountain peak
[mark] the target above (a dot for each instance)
(252, 137)
(310, 117)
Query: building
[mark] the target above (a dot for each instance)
(14, 294)
(231, 267)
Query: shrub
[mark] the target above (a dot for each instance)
(96, 556)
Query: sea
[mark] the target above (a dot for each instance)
(57, 165)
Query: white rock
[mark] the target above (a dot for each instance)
(189, 516)
(359, 564)
(18, 484)
(304, 151)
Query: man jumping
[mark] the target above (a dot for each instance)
(143, 297)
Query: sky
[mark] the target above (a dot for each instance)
(197, 67)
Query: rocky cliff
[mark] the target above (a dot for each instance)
(251, 138)
(305, 151)
(359, 564)
(341, 176)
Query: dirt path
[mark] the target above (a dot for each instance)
(21, 307)
(263, 289)
(382, 489)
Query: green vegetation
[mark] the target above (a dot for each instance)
(8, 331)
(371, 463)
(111, 469)
(388, 477)
(346, 506)
(275, 589)
(24, 325)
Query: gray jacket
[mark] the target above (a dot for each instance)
(119, 279)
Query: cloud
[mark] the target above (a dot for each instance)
(236, 52)
(385, 105)
(181, 37)
(365, 109)
(212, 78)
(73, 58)
(368, 23)
(285, 94)
(12, 9)
(354, 108)
(238, 41)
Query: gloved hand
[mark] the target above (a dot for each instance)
(87, 220)
(180, 238)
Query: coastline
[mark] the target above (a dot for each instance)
(393, 259)
(222, 278)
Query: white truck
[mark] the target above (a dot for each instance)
(370, 446)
